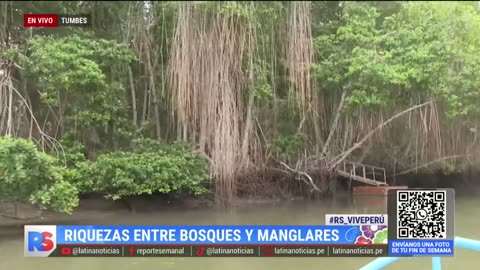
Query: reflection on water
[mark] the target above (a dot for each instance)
(293, 212)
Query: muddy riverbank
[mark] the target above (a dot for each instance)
(96, 205)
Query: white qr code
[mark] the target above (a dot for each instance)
(421, 214)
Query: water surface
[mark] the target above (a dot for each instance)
(285, 213)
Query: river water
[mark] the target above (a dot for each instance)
(285, 213)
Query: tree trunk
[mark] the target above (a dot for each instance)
(134, 98)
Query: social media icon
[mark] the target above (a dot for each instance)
(268, 251)
(200, 252)
(66, 251)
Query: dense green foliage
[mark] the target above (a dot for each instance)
(423, 50)
(152, 168)
(28, 175)
(78, 78)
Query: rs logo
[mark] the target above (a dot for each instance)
(40, 241)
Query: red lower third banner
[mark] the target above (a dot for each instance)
(220, 251)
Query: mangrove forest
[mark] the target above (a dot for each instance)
(227, 99)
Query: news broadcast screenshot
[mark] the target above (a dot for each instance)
(237, 135)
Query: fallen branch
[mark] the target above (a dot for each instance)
(341, 157)
(310, 180)
(430, 163)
